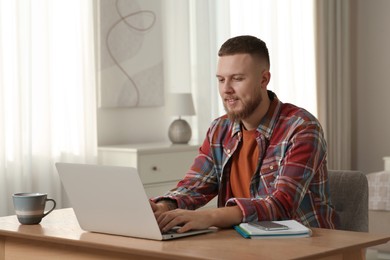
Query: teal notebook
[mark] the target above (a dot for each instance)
(295, 229)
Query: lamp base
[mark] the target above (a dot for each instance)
(179, 132)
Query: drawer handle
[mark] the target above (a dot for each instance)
(154, 168)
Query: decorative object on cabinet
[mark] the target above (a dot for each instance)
(180, 104)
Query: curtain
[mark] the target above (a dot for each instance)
(287, 27)
(334, 79)
(47, 94)
(209, 29)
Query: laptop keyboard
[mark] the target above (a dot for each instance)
(171, 231)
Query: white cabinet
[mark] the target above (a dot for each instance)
(160, 165)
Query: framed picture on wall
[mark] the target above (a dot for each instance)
(129, 55)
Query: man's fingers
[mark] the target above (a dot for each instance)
(168, 220)
(185, 228)
(153, 205)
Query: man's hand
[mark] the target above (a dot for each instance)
(161, 207)
(199, 219)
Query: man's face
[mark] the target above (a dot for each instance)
(240, 84)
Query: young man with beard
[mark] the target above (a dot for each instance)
(265, 160)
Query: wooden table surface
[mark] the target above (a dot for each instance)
(59, 235)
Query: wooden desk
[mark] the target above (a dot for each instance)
(59, 237)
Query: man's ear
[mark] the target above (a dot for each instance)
(266, 77)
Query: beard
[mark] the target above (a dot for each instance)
(248, 107)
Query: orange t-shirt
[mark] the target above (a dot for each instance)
(244, 163)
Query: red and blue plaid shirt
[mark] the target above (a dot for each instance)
(291, 179)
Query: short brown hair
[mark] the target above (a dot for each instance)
(245, 44)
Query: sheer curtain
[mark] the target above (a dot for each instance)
(209, 28)
(47, 93)
(287, 27)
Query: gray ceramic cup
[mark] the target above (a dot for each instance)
(30, 207)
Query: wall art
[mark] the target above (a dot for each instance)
(130, 63)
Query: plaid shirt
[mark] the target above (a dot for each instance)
(291, 179)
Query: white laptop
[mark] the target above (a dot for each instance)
(112, 200)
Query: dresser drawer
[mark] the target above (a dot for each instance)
(157, 163)
(164, 167)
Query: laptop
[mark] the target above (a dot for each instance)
(112, 200)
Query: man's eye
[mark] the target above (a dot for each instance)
(221, 80)
(238, 78)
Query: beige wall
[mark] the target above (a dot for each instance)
(372, 90)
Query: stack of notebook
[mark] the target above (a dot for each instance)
(294, 229)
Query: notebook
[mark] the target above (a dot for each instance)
(112, 200)
(294, 229)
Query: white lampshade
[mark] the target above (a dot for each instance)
(181, 104)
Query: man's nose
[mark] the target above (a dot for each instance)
(227, 87)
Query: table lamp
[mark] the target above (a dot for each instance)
(180, 104)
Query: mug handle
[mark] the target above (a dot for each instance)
(54, 206)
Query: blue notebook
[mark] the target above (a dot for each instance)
(295, 229)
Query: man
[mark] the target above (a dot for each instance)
(265, 160)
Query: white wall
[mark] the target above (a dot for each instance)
(372, 119)
(135, 125)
